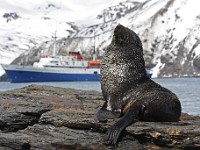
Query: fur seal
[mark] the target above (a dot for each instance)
(127, 90)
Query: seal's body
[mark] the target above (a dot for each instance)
(127, 91)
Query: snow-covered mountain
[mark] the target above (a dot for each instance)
(169, 30)
(26, 25)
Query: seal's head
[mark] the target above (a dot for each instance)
(123, 64)
(129, 40)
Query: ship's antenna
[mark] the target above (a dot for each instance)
(94, 51)
(54, 44)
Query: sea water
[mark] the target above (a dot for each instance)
(187, 89)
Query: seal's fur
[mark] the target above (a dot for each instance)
(127, 91)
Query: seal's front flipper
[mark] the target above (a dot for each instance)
(103, 115)
(114, 131)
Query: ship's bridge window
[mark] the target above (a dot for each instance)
(54, 62)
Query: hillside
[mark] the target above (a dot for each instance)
(169, 30)
(26, 27)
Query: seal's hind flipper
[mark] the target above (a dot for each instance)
(114, 131)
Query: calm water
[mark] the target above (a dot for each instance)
(187, 89)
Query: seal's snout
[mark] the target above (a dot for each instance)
(119, 31)
(120, 35)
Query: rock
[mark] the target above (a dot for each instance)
(44, 117)
(196, 63)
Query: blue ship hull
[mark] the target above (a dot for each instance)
(21, 76)
(18, 73)
(31, 74)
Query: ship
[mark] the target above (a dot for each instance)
(56, 68)
(71, 67)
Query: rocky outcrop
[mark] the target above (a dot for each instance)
(44, 117)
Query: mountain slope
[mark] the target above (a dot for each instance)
(169, 30)
(24, 26)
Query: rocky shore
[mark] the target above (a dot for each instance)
(52, 118)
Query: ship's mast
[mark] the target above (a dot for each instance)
(54, 44)
(94, 51)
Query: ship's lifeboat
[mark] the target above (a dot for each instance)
(94, 63)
